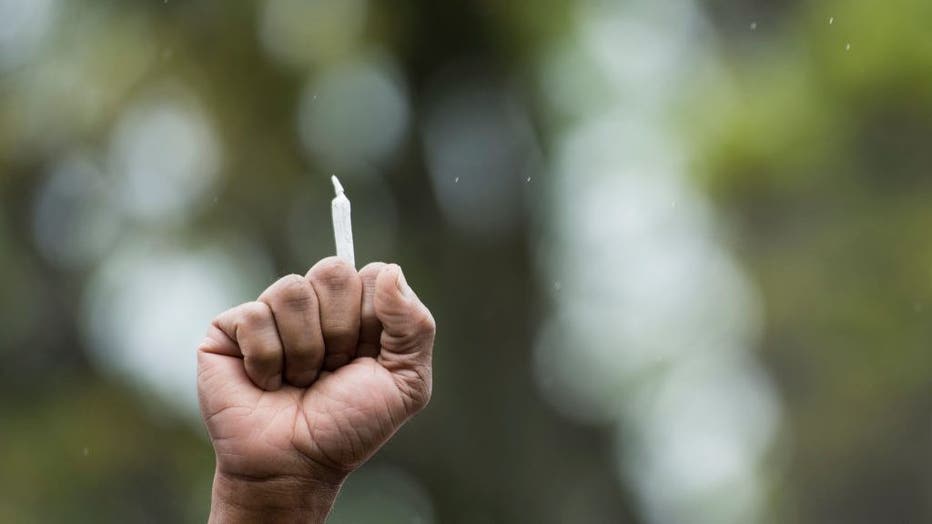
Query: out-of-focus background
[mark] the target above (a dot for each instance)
(679, 251)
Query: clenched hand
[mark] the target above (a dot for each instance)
(302, 386)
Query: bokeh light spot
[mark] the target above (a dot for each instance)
(164, 156)
(75, 219)
(354, 116)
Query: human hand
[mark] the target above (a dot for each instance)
(301, 387)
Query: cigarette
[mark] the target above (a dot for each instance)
(342, 224)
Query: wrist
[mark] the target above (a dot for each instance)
(277, 500)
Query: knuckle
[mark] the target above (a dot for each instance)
(424, 323)
(295, 291)
(333, 273)
(219, 321)
(371, 270)
(254, 315)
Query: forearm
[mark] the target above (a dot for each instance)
(275, 501)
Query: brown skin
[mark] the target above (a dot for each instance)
(301, 387)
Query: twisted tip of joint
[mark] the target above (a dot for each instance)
(337, 187)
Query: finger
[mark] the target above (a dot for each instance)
(217, 342)
(407, 339)
(221, 378)
(251, 327)
(294, 307)
(339, 294)
(370, 328)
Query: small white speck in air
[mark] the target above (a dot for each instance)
(753, 26)
(848, 47)
(831, 20)
(456, 180)
(528, 179)
(86, 452)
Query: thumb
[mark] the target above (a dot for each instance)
(407, 326)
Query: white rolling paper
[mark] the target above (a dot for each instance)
(342, 224)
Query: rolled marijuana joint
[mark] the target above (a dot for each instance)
(342, 224)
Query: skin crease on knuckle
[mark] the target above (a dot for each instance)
(333, 274)
(416, 384)
(419, 331)
(261, 352)
(294, 292)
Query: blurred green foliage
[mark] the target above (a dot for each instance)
(819, 155)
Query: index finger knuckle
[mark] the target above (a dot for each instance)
(295, 292)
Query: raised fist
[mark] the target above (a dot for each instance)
(303, 385)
